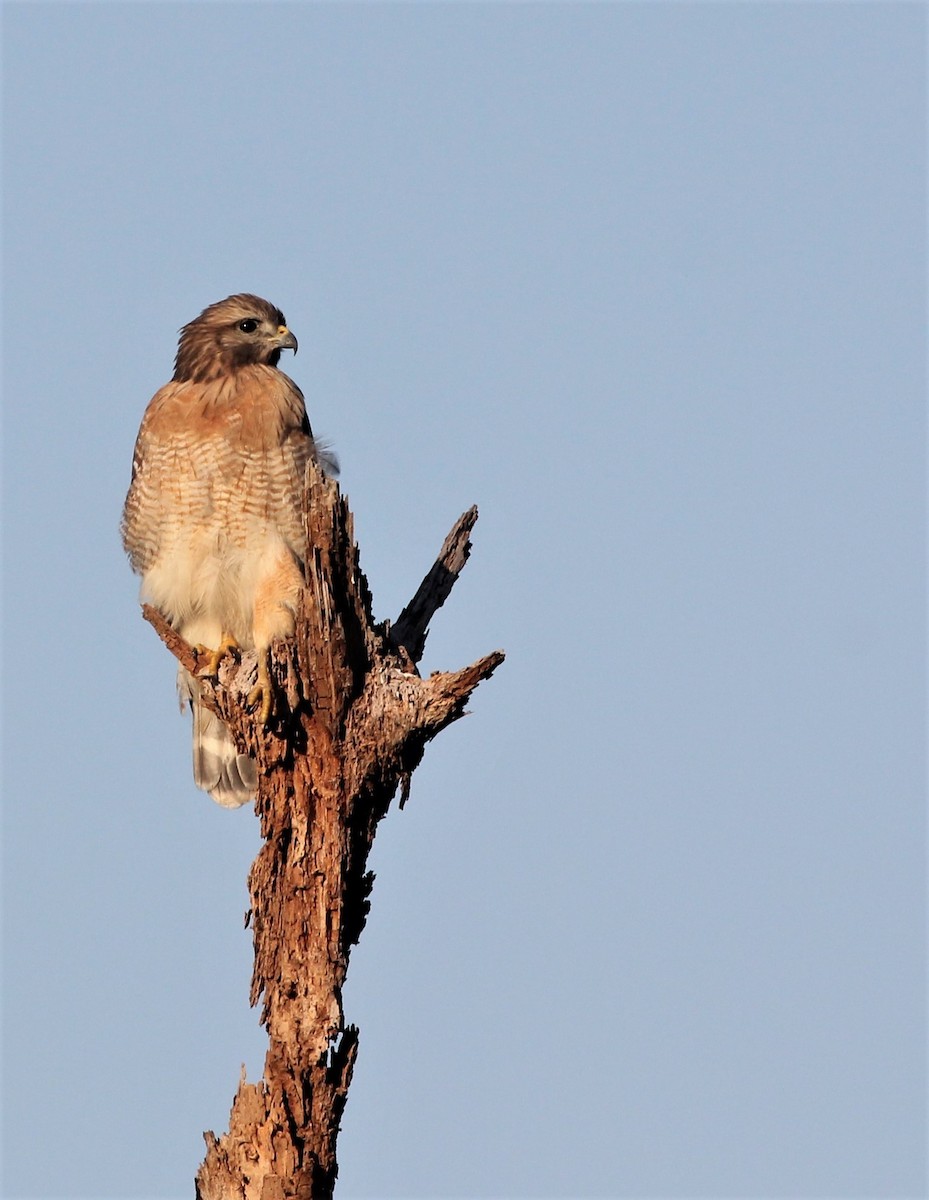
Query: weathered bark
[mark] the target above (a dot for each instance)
(352, 719)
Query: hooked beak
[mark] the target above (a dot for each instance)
(285, 339)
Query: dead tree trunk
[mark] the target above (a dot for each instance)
(351, 723)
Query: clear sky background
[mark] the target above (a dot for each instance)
(647, 283)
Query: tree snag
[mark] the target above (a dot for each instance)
(352, 719)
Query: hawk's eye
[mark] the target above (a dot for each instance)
(248, 325)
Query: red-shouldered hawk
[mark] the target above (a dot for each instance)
(213, 519)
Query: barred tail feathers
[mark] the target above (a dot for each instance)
(230, 778)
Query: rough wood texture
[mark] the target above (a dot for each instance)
(351, 723)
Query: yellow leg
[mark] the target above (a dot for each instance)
(227, 645)
(262, 694)
(277, 595)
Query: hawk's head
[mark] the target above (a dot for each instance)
(239, 331)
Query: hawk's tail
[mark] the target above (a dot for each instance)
(231, 778)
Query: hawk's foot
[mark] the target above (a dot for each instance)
(261, 696)
(227, 645)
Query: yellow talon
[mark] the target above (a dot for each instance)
(227, 645)
(262, 694)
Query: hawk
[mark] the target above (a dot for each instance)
(213, 519)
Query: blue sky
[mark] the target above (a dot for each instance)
(647, 283)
